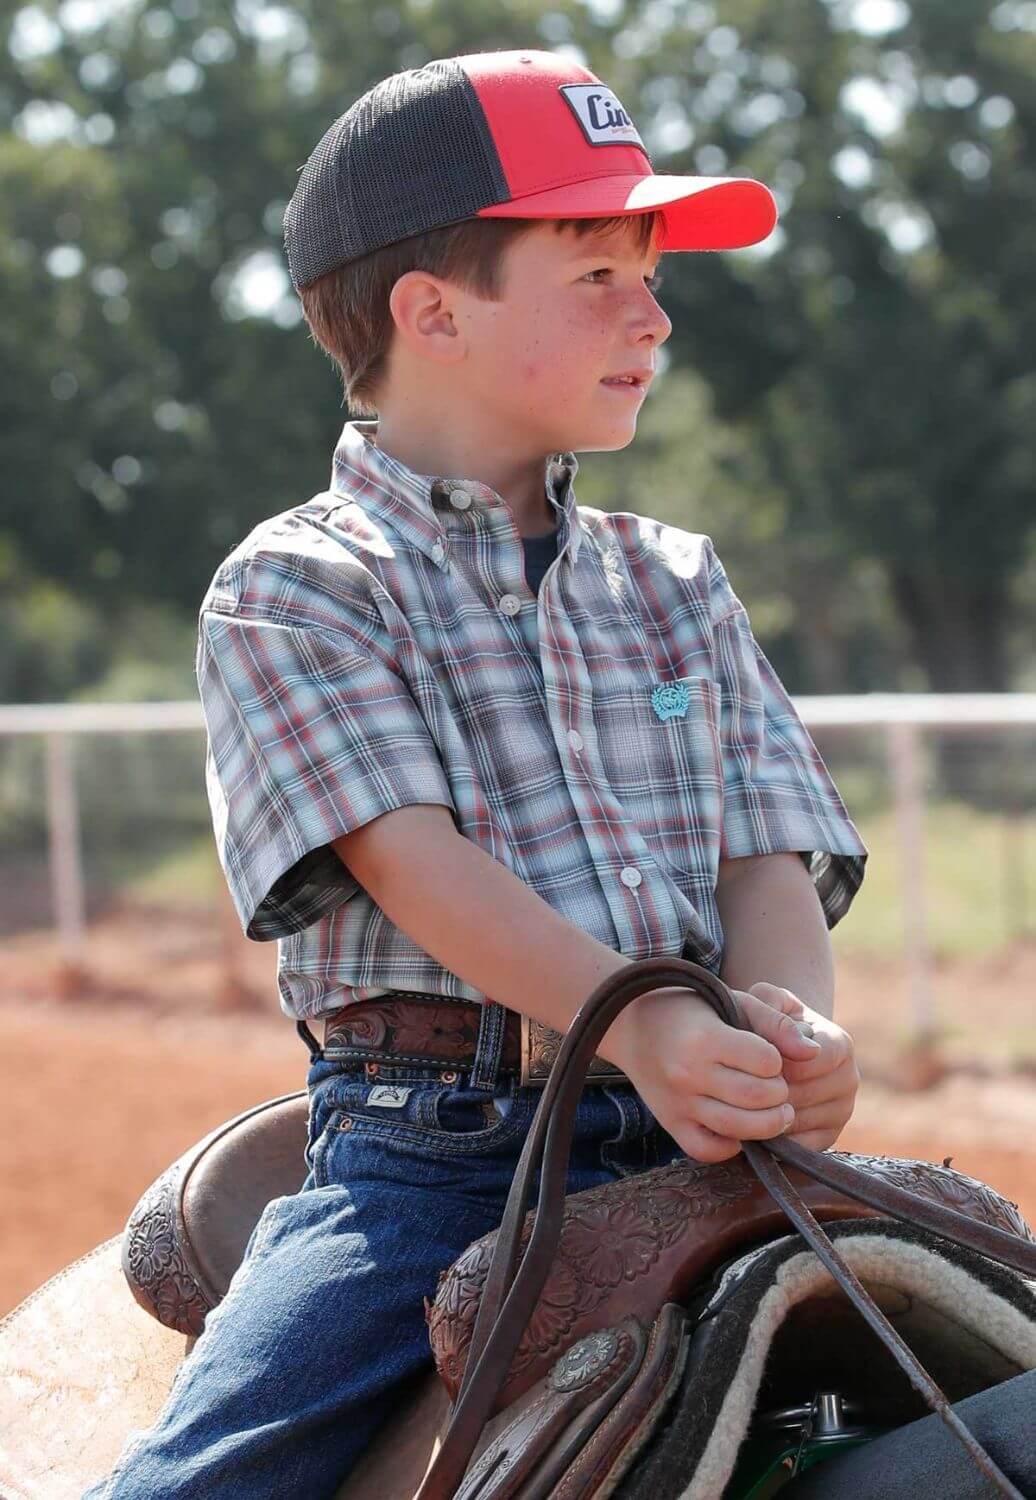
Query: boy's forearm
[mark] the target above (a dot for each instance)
(478, 919)
(493, 931)
(774, 929)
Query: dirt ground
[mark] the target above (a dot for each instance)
(171, 1025)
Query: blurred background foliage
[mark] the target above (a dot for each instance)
(849, 410)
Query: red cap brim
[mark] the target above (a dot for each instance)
(701, 213)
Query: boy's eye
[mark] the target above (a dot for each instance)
(651, 282)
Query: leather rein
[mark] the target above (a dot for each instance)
(511, 1289)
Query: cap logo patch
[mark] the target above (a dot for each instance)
(602, 118)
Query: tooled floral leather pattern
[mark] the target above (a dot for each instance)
(611, 1236)
(446, 1032)
(544, 1044)
(153, 1261)
(622, 1247)
(948, 1186)
(368, 1030)
(438, 1026)
(610, 1243)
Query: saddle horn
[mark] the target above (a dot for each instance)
(511, 1289)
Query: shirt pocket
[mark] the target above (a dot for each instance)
(668, 772)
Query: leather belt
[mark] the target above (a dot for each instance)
(438, 1031)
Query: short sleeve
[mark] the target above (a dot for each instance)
(309, 737)
(778, 796)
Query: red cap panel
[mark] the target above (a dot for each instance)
(538, 133)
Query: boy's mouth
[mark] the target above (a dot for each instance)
(631, 380)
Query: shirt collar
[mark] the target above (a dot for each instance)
(418, 506)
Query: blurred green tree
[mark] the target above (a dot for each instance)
(849, 410)
(878, 352)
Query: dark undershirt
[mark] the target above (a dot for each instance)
(540, 552)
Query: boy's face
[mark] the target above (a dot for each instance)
(573, 311)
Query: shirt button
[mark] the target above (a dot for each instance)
(460, 499)
(510, 604)
(630, 876)
(439, 551)
(575, 739)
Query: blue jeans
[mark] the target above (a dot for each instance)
(303, 1359)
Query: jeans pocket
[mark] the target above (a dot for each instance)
(444, 1119)
(467, 1111)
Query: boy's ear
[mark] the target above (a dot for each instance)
(421, 308)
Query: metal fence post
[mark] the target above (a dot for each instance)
(904, 742)
(66, 870)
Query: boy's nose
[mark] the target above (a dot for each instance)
(650, 318)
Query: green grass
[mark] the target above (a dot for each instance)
(187, 874)
(978, 879)
(975, 901)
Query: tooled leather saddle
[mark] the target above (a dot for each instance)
(573, 1431)
(619, 1340)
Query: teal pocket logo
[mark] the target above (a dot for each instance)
(670, 700)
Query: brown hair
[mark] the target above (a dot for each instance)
(348, 313)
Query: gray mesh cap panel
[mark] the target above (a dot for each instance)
(413, 153)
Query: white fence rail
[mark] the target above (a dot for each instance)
(904, 717)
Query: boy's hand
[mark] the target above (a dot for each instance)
(709, 1085)
(821, 1089)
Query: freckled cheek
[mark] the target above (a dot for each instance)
(557, 357)
(537, 373)
(549, 379)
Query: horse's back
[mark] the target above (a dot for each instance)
(396, 1460)
(81, 1366)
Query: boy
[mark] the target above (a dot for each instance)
(473, 747)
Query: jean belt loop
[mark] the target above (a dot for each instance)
(629, 1112)
(310, 1040)
(486, 1068)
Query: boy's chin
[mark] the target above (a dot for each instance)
(590, 436)
(603, 440)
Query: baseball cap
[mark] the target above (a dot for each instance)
(490, 135)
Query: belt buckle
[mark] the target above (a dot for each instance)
(541, 1045)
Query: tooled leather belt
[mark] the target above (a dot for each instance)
(438, 1031)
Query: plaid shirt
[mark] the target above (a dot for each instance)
(378, 646)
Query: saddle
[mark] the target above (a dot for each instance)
(637, 1339)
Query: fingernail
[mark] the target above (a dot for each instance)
(788, 1112)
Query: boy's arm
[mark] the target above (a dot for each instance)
(774, 929)
(776, 946)
(472, 914)
(708, 1085)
